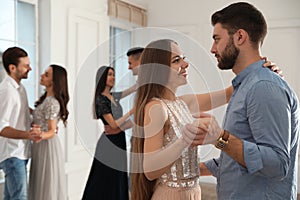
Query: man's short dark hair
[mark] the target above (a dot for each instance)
(134, 51)
(11, 56)
(245, 16)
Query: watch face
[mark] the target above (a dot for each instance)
(221, 143)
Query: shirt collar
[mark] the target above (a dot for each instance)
(248, 70)
(13, 82)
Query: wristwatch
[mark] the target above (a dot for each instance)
(222, 141)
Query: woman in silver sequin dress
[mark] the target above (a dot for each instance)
(165, 166)
(47, 170)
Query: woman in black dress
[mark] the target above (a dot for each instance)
(108, 178)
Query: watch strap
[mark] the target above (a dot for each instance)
(225, 135)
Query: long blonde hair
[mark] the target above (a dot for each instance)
(151, 84)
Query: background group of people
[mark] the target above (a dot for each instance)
(18, 129)
(258, 140)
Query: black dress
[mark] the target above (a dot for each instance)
(108, 178)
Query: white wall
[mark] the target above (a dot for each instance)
(71, 31)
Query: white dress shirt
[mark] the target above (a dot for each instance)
(14, 112)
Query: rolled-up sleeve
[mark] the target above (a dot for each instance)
(269, 114)
(252, 157)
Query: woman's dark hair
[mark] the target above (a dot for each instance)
(101, 77)
(11, 56)
(60, 89)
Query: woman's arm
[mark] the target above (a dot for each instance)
(207, 101)
(52, 127)
(156, 158)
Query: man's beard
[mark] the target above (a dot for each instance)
(21, 75)
(229, 56)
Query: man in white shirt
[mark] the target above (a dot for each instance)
(15, 131)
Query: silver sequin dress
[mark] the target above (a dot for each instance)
(181, 181)
(47, 170)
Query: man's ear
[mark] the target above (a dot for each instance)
(241, 36)
(12, 67)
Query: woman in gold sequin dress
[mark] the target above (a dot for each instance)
(165, 166)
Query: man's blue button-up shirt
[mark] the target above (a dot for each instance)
(264, 113)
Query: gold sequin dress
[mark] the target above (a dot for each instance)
(181, 181)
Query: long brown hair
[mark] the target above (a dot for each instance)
(61, 92)
(151, 83)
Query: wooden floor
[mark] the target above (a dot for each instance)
(208, 191)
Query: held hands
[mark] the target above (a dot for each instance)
(204, 130)
(35, 133)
